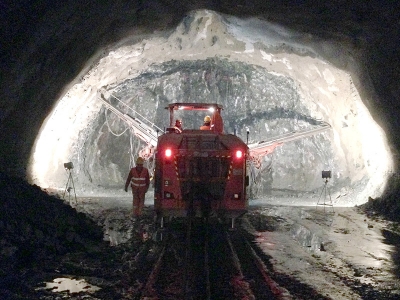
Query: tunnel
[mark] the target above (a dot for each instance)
(323, 71)
(275, 68)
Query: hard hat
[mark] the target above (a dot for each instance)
(207, 119)
(139, 161)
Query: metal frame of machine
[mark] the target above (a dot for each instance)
(200, 172)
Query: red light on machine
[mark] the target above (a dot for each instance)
(168, 153)
(239, 154)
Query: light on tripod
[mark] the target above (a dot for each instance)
(68, 166)
(326, 174)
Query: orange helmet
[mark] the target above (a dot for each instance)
(207, 119)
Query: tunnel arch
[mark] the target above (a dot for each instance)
(306, 65)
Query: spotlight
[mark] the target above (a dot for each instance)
(68, 166)
(326, 174)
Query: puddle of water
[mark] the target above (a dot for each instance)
(70, 285)
(306, 238)
(115, 237)
(115, 230)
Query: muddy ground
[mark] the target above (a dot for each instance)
(330, 252)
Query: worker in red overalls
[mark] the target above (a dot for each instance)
(207, 123)
(139, 180)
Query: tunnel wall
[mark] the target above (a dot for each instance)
(39, 72)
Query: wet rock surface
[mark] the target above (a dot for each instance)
(339, 252)
(351, 253)
(42, 238)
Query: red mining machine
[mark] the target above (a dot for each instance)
(200, 173)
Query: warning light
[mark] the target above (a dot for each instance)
(239, 154)
(168, 153)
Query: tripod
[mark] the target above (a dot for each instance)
(70, 186)
(325, 191)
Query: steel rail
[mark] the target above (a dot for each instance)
(279, 292)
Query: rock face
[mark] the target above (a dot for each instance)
(274, 108)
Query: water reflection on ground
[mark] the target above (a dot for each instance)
(70, 285)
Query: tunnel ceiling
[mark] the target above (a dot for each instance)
(272, 75)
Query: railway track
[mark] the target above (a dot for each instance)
(254, 269)
(203, 260)
(166, 278)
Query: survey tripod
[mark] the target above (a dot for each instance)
(326, 193)
(70, 182)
